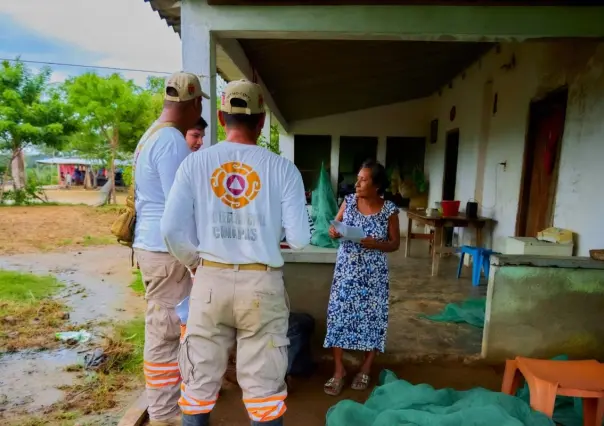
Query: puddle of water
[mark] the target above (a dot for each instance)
(96, 281)
(96, 288)
(30, 379)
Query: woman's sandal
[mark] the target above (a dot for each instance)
(360, 382)
(334, 386)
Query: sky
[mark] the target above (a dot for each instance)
(112, 33)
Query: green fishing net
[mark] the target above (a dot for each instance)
(470, 311)
(324, 210)
(397, 402)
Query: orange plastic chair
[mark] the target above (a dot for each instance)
(546, 379)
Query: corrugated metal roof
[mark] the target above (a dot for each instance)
(79, 161)
(169, 10)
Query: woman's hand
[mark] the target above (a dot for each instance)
(333, 234)
(370, 243)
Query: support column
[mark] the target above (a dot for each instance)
(266, 130)
(380, 155)
(286, 146)
(334, 163)
(199, 57)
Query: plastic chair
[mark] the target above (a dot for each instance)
(546, 379)
(480, 262)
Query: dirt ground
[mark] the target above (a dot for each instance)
(35, 229)
(79, 196)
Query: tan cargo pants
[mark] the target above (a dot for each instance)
(251, 307)
(166, 282)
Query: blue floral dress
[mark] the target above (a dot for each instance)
(357, 314)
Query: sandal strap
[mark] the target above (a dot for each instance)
(362, 378)
(334, 382)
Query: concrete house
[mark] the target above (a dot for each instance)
(497, 101)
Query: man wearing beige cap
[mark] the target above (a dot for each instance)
(239, 197)
(156, 159)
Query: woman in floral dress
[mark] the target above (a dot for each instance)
(357, 315)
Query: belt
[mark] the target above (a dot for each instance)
(244, 267)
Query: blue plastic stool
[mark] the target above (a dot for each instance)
(480, 261)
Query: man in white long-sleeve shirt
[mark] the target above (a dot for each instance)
(156, 159)
(240, 198)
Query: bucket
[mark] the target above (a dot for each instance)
(450, 208)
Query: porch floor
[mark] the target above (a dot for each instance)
(414, 292)
(418, 350)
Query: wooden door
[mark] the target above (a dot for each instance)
(541, 160)
(450, 176)
(450, 173)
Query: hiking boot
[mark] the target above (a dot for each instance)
(174, 421)
(196, 420)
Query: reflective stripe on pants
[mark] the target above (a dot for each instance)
(266, 409)
(166, 282)
(251, 308)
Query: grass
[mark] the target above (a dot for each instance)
(28, 317)
(86, 241)
(110, 208)
(21, 287)
(127, 346)
(36, 204)
(122, 371)
(101, 390)
(89, 240)
(137, 282)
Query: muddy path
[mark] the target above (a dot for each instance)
(98, 294)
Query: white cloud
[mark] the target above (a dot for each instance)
(58, 77)
(126, 33)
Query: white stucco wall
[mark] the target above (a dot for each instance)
(540, 68)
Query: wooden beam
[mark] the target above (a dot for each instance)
(136, 414)
(432, 23)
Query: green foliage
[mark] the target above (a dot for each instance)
(43, 175)
(30, 112)
(31, 193)
(155, 85)
(112, 110)
(127, 175)
(273, 144)
(420, 181)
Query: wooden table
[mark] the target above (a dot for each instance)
(439, 222)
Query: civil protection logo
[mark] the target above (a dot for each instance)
(236, 184)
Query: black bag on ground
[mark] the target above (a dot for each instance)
(299, 332)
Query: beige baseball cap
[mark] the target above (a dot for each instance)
(187, 86)
(246, 91)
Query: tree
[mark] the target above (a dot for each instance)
(113, 111)
(30, 114)
(156, 85)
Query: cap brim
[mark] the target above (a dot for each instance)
(204, 95)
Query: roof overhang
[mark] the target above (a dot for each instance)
(334, 58)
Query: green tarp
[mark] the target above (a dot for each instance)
(396, 402)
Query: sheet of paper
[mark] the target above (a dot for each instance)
(351, 233)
